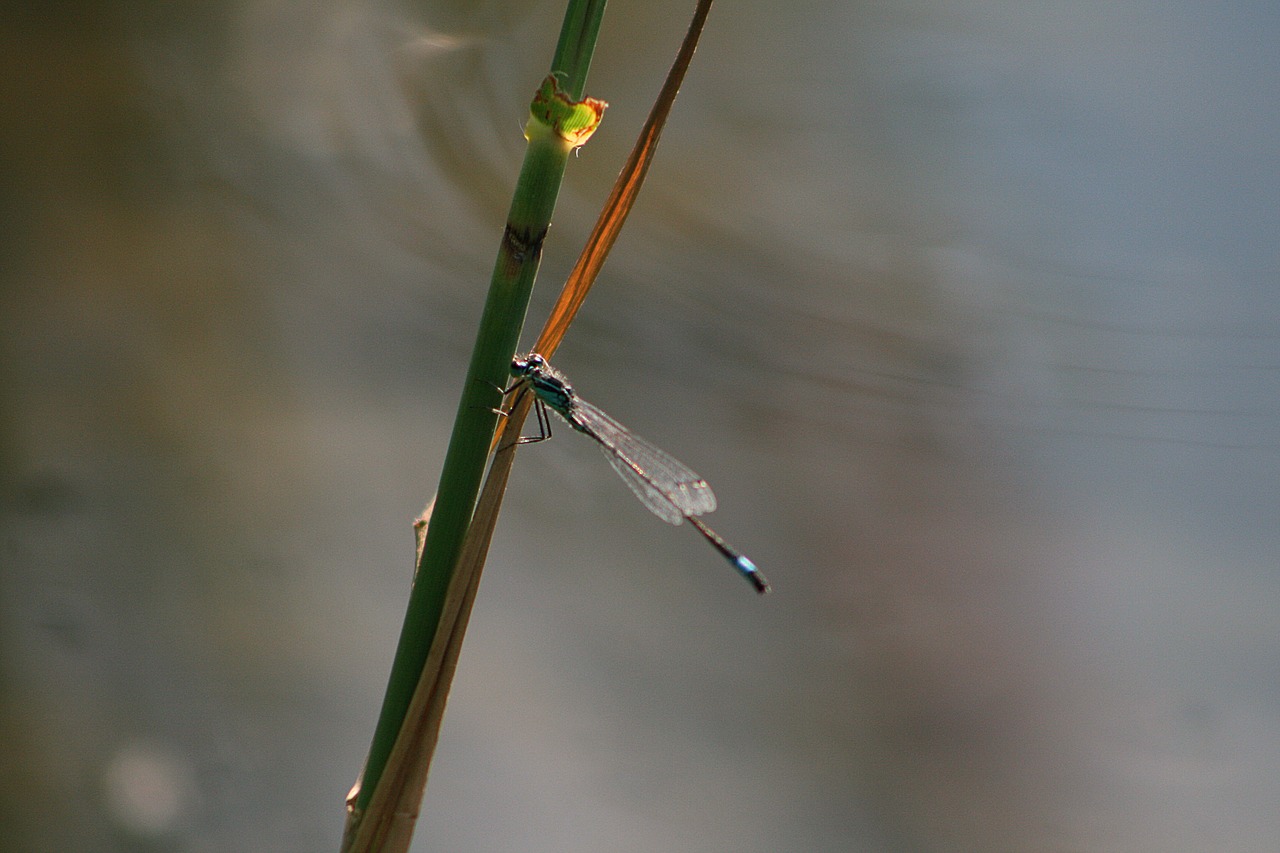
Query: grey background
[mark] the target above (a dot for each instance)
(966, 310)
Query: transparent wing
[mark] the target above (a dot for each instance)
(657, 501)
(669, 488)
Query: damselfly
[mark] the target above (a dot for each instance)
(667, 487)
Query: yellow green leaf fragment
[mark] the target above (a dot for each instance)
(572, 121)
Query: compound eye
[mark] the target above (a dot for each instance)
(530, 364)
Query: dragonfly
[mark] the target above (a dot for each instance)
(667, 487)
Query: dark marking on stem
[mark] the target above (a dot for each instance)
(521, 246)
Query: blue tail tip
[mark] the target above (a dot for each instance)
(752, 574)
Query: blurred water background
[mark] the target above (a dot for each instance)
(967, 310)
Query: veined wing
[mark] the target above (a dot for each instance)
(669, 488)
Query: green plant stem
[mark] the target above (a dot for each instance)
(509, 291)
(577, 45)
